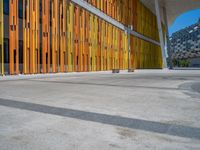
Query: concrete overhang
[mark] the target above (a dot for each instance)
(174, 8)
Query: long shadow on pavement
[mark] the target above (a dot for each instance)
(151, 126)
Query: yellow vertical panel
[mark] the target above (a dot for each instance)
(95, 42)
(25, 36)
(125, 45)
(82, 35)
(102, 44)
(109, 46)
(55, 35)
(70, 38)
(106, 46)
(116, 49)
(91, 42)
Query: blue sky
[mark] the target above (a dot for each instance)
(184, 20)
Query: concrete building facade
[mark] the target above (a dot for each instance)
(185, 44)
(187, 39)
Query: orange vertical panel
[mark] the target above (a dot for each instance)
(45, 36)
(83, 42)
(63, 35)
(55, 35)
(76, 37)
(37, 28)
(34, 36)
(13, 36)
(87, 52)
(99, 46)
(31, 36)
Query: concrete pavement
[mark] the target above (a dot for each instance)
(147, 109)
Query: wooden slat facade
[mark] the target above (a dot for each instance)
(59, 36)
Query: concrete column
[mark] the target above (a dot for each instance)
(169, 51)
(161, 35)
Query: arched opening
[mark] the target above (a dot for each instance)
(185, 39)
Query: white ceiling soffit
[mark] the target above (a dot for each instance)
(174, 8)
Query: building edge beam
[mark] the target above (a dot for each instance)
(168, 40)
(161, 35)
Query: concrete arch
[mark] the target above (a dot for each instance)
(174, 8)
